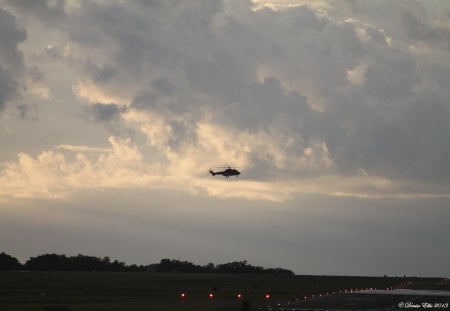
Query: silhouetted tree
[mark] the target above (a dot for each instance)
(88, 263)
(57, 262)
(210, 268)
(117, 266)
(172, 265)
(278, 271)
(8, 262)
(47, 262)
(239, 267)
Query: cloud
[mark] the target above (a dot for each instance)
(11, 35)
(299, 92)
(8, 88)
(11, 58)
(53, 173)
(83, 148)
(104, 112)
(45, 11)
(19, 82)
(93, 94)
(417, 25)
(61, 172)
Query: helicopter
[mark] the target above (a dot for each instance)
(227, 173)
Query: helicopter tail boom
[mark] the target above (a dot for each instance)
(212, 173)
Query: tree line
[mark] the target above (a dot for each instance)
(59, 262)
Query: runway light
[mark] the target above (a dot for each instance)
(183, 295)
(239, 296)
(211, 295)
(267, 296)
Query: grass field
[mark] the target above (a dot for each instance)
(98, 291)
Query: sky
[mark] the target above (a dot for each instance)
(337, 114)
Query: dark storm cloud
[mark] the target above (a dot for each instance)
(7, 88)
(399, 140)
(104, 112)
(392, 77)
(164, 86)
(145, 100)
(269, 103)
(418, 26)
(11, 58)
(46, 11)
(11, 35)
(101, 75)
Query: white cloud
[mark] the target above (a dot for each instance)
(83, 148)
(54, 174)
(60, 172)
(96, 95)
(317, 5)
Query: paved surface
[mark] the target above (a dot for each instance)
(413, 297)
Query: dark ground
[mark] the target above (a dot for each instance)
(109, 291)
(418, 295)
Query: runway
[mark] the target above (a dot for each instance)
(434, 296)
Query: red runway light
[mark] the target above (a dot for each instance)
(239, 296)
(183, 295)
(267, 296)
(211, 295)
